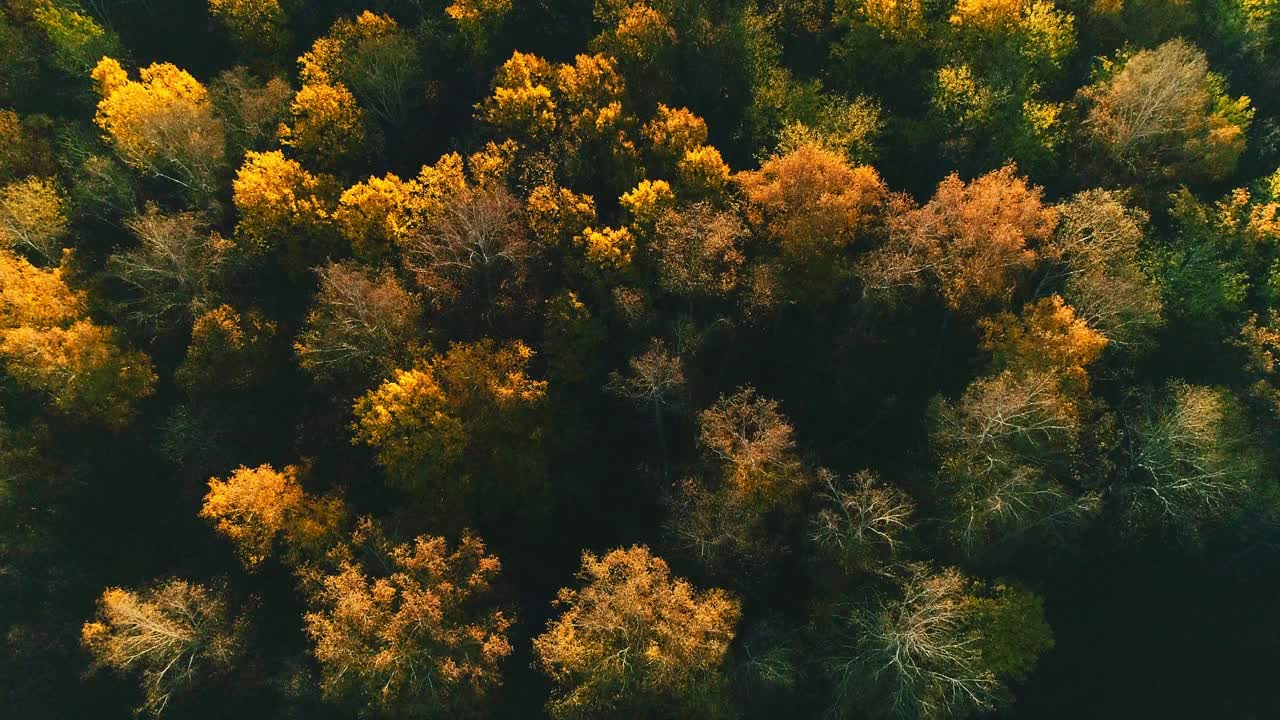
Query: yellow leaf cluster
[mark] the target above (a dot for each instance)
(1046, 337)
(673, 132)
(371, 215)
(325, 62)
(900, 20)
(642, 33)
(521, 102)
(327, 124)
(252, 506)
(557, 214)
(607, 247)
(647, 200)
(632, 624)
(163, 123)
(34, 297)
(226, 350)
(276, 197)
(702, 172)
(472, 15)
(32, 216)
(255, 23)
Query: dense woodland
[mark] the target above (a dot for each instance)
(646, 359)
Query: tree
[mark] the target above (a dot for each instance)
(254, 506)
(1096, 250)
(698, 251)
(1192, 460)
(228, 351)
(975, 241)
(283, 207)
(475, 245)
(162, 124)
(326, 126)
(1047, 337)
(34, 297)
(478, 19)
(1160, 114)
(76, 40)
(259, 25)
(863, 523)
(361, 322)
(173, 635)
(33, 217)
(655, 379)
(409, 630)
(1002, 448)
(930, 649)
(462, 430)
(251, 109)
(815, 207)
(636, 640)
(374, 215)
(174, 269)
(754, 445)
(82, 368)
(374, 57)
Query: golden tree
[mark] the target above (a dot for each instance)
(699, 250)
(82, 368)
(34, 297)
(173, 636)
(754, 444)
(326, 126)
(33, 216)
(409, 630)
(814, 206)
(255, 506)
(463, 428)
(633, 639)
(1046, 337)
(283, 206)
(163, 124)
(372, 56)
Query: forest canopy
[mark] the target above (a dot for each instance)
(643, 359)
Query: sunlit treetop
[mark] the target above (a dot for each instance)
(675, 131)
(371, 215)
(647, 200)
(32, 216)
(162, 124)
(1047, 336)
(251, 506)
(276, 196)
(34, 297)
(256, 24)
(373, 57)
(900, 20)
(557, 214)
(475, 18)
(327, 126)
(78, 42)
(640, 37)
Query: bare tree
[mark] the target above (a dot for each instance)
(475, 243)
(172, 635)
(862, 521)
(360, 321)
(1192, 461)
(1096, 249)
(699, 250)
(912, 654)
(174, 268)
(655, 379)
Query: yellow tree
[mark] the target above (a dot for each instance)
(33, 216)
(162, 124)
(373, 215)
(35, 297)
(283, 207)
(326, 126)
(462, 429)
(174, 635)
(255, 506)
(1046, 337)
(635, 640)
(372, 56)
(411, 629)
